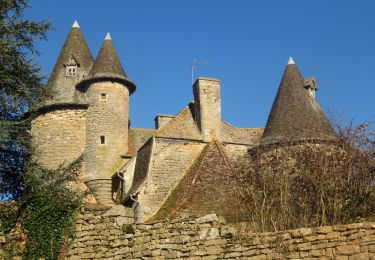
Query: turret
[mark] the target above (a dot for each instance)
(58, 126)
(73, 64)
(107, 89)
(295, 114)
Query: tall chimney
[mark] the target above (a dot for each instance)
(208, 107)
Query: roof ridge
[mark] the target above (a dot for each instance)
(158, 131)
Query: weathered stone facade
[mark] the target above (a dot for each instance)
(107, 128)
(208, 107)
(109, 233)
(143, 168)
(59, 136)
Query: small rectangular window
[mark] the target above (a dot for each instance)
(102, 139)
(103, 96)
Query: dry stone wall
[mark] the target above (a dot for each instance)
(108, 234)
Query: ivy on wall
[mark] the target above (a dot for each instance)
(45, 215)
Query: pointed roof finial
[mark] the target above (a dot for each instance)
(107, 66)
(291, 61)
(108, 36)
(75, 24)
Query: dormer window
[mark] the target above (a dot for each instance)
(71, 67)
(311, 86)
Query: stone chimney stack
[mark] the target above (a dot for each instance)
(208, 107)
(162, 120)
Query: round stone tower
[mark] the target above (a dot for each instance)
(107, 90)
(58, 126)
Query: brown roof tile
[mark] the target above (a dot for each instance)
(107, 66)
(61, 88)
(234, 135)
(139, 136)
(208, 187)
(182, 126)
(295, 115)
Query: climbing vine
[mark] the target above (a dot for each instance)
(45, 215)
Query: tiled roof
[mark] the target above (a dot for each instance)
(139, 136)
(295, 115)
(234, 135)
(61, 88)
(208, 187)
(107, 65)
(182, 126)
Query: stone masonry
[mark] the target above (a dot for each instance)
(59, 133)
(108, 234)
(208, 112)
(107, 125)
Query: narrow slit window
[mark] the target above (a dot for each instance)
(102, 139)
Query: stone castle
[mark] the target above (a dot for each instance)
(183, 167)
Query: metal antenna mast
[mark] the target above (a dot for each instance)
(194, 64)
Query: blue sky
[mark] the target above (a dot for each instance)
(249, 43)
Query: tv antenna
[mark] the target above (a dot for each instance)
(194, 64)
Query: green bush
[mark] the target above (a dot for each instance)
(46, 212)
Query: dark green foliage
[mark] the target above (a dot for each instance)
(47, 224)
(20, 88)
(49, 203)
(46, 211)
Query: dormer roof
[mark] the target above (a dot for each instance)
(295, 115)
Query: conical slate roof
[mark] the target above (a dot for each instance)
(60, 88)
(295, 115)
(107, 65)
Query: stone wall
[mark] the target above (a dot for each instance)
(107, 128)
(57, 133)
(109, 235)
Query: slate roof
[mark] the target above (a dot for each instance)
(295, 115)
(60, 88)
